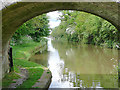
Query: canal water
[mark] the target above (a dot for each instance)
(79, 65)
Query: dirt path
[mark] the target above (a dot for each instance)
(24, 75)
(43, 82)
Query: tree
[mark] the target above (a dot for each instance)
(36, 28)
(87, 28)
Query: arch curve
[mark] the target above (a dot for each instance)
(15, 15)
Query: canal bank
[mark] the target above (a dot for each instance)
(21, 55)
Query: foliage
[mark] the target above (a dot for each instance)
(34, 29)
(86, 28)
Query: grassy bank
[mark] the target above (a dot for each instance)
(21, 54)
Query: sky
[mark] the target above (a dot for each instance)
(53, 18)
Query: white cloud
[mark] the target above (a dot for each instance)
(53, 18)
(54, 14)
(54, 23)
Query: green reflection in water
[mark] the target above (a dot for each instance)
(84, 65)
(40, 58)
(88, 59)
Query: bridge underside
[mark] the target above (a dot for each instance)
(15, 15)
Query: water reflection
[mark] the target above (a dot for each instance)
(84, 66)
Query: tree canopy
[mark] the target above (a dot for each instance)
(35, 28)
(87, 28)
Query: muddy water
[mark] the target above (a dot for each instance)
(79, 65)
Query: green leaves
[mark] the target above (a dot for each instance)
(36, 28)
(87, 28)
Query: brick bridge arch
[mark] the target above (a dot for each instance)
(15, 15)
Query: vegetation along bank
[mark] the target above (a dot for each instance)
(26, 41)
(86, 28)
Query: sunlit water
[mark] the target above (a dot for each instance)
(79, 65)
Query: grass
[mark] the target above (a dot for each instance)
(34, 75)
(8, 79)
(21, 54)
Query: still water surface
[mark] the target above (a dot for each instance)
(76, 65)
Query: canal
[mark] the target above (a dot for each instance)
(79, 65)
